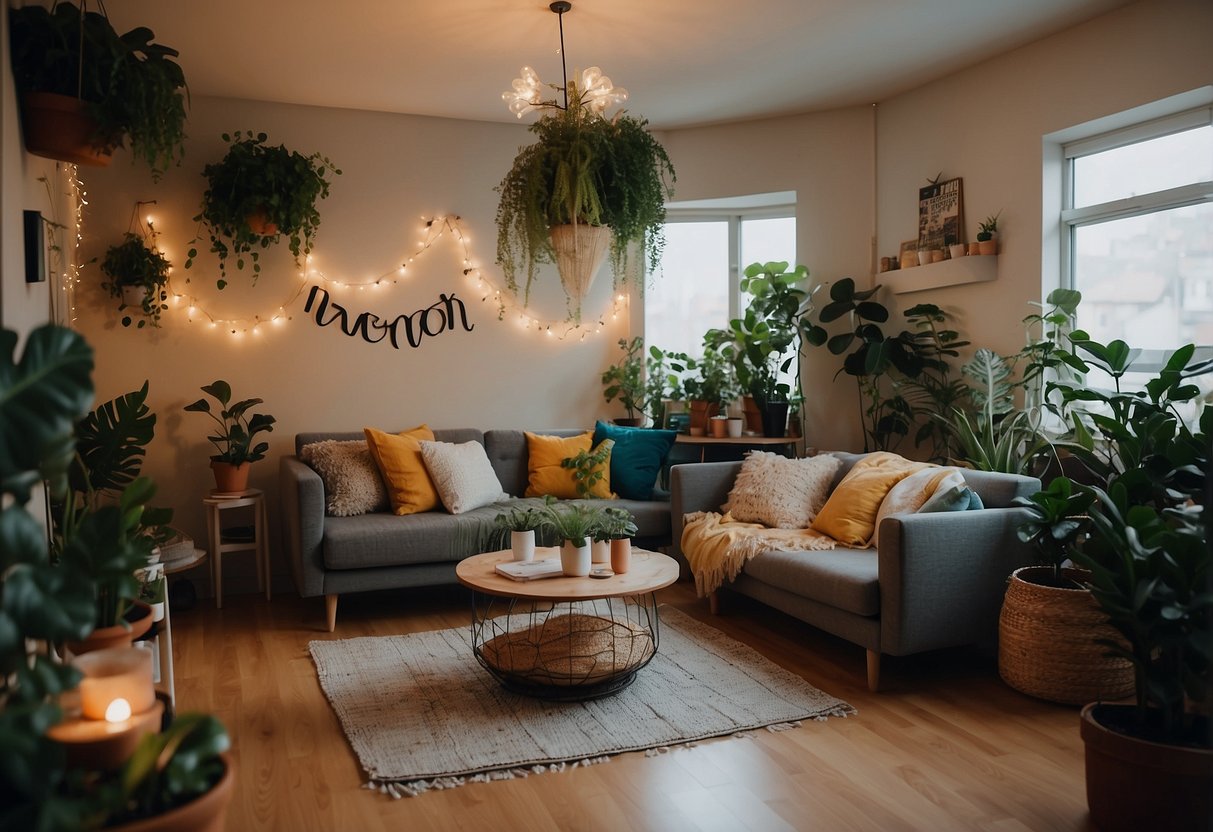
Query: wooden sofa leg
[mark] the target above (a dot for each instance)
(714, 603)
(330, 611)
(873, 670)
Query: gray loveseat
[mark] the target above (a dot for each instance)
(937, 580)
(333, 556)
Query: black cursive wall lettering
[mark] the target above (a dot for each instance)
(439, 317)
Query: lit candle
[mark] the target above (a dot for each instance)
(112, 674)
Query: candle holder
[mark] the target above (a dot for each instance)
(112, 674)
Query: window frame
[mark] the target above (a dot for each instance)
(1071, 218)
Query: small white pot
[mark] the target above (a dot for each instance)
(957, 250)
(736, 423)
(600, 551)
(522, 544)
(133, 296)
(575, 560)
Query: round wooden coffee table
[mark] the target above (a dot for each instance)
(565, 638)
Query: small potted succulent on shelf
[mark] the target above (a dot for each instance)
(137, 274)
(234, 438)
(987, 235)
(625, 381)
(257, 193)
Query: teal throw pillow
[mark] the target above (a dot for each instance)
(636, 459)
(955, 498)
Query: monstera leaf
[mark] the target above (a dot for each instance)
(40, 397)
(111, 442)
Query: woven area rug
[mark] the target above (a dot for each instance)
(420, 712)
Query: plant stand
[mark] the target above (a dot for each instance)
(215, 505)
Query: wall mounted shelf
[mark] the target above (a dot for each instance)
(979, 268)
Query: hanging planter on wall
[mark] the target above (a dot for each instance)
(584, 170)
(85, 90)
(137, 273)
(256, 194)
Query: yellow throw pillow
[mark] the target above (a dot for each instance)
(545, 474)
(849, 516)
(398, 457)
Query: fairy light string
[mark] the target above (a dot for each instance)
(508, 306)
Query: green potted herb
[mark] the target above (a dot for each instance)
(85, 90)
(572, 523)
(234, 435)
(585, 180)
(256, 194)
(625, 381)
(987, 235)
(137, 274)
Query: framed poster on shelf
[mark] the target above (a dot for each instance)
(940, 214)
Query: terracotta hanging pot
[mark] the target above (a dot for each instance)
(229, 478)
(580, 251)
(59, 127)
(260, 223)
(138, 620)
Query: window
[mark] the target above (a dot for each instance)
(708, 244)
(1138, 234)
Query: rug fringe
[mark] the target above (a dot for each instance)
(413, 788)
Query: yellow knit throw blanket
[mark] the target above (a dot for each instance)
(717, 546)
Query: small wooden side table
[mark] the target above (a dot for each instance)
(215, 505)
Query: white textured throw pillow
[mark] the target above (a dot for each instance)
(779, 492)
(352, 484)
(909, 495)
(462, 475)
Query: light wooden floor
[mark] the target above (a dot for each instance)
(944, 746)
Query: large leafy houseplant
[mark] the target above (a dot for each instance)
(235, 426)
(256, 194)
(48, 599)
(626, 381)
(583, 169)
(129, 85)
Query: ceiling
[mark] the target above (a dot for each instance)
(685, 62)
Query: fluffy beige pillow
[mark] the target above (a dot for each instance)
(779, 492)
(462, 474)
(352, 484)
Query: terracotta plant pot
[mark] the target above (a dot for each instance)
(987, 246)
(1047, 641)
(1135, 784)
(751, 414)
(59, 127)
(229, 478)
(203, 814)
(259, 223)
(720, 426)
(621, 555)
(701, 412)
(138, 620)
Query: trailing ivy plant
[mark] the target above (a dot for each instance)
(278, 187)
(133, 263)
(131, 85)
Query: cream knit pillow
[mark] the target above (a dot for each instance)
(352, 484)
(462, 474)
(779, 492)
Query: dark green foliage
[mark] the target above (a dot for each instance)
(586, 169)
(132, 85)
(111, 442)
(709, 378)
(133, 263)
(625, 380)
(254, 178)
(171, 768)
(237, 427)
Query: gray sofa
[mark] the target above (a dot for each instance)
(333, 556)
(937, 580)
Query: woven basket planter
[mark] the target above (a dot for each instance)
(1047, 642)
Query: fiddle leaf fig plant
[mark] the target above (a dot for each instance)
(625, 380)
(236, 426)
(256, 194)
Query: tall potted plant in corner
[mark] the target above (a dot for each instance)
(256, 194)
(625, 381)
(85, 90)
(587, 186)
(234, 436)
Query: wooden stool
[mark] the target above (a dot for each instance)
(217, 503)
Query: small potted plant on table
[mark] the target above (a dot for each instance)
(521, 523)
(234, 438)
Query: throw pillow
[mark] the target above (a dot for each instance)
(398, 457)
(779, 492)
(917, 490)
(546, 476)
(953, 495)
(636, 459)
(849, 516)
(352, 484)
(462, 475)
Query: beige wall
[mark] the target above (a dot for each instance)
(985, 124)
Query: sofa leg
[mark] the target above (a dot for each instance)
(330, 611)
(873, 670)
(714, 603)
